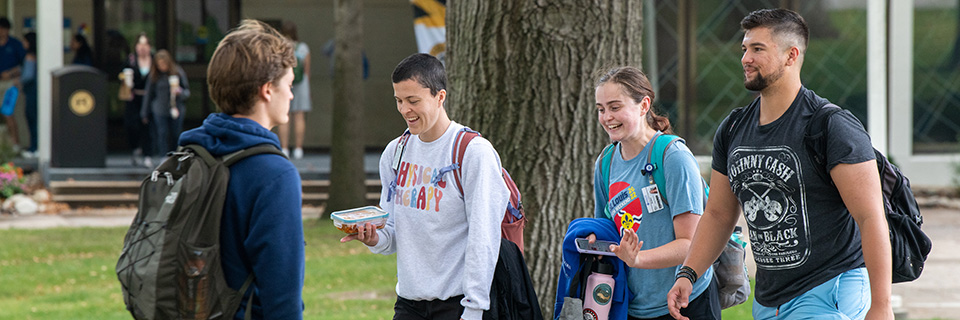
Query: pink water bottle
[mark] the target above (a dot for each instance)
(599, 293)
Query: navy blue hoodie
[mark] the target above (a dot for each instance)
(262, 227)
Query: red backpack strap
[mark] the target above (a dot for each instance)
(460, 143)
(516, 205)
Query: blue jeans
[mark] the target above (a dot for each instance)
(166, 132)
(844, 297)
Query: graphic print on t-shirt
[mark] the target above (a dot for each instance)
(626, 207)
(766, 182)
(414, 188)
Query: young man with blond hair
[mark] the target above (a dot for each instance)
(250, 76)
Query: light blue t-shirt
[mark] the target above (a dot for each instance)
(684, 194)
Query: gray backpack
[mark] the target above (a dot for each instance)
(170, 265)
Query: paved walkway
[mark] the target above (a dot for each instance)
(936, 295)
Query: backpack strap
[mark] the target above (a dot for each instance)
(654, 165)
(199, 151)
(248, 311)
(736, 116)
(397, 155)
(606, 160)
(460, 143)
(232, 158)
(815, 138)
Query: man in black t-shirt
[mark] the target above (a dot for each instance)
(813, 241)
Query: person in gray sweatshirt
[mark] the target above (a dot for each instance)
(447, 245)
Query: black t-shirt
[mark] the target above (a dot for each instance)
(801, 233)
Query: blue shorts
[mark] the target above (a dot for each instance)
(844, 297)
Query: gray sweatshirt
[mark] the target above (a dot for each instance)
(446, 245)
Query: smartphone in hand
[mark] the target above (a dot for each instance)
(599, 247)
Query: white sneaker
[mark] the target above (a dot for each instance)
(298, 153)
(137, 157)
(286, 152)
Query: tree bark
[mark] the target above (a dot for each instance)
(523, 73)
(347, 176)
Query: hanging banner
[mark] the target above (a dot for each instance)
(429, 18)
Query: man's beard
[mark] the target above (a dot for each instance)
(759, 83)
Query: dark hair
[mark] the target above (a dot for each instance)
(84, 54)
(31, 38)
(635, 84)
(289, 29)
(249, 56)
(784, 24)
(84, 45)
(4, 23)
(424, 69)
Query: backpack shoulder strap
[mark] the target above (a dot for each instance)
(201, 152)
(460, 143)
(736, 116)
(232, 158)
(655, 157)
(397, 155)
(398, 152)
(606, 160)
(815, 137)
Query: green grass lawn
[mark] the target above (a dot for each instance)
(69, 274)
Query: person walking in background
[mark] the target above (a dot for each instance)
(12, 54)
(660, 222)
(28, 79)
(821, 243)
(137, 68)
(250, 76)
(164, 102)
(82, 53)
(457, 236)
(301, 94)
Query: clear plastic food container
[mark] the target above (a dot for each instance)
(348, 220)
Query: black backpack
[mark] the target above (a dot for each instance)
(170, 264)
(909, 245)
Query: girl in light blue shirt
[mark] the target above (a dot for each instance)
(657, 226)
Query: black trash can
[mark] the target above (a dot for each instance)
(79, 137)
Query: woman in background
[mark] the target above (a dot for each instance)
(137, 126)
(29, 80)
(82, 54)
(301, 103)
(164, 104)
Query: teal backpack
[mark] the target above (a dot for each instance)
(653, 167)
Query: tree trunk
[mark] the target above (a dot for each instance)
(347, 176)
(523, 73)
